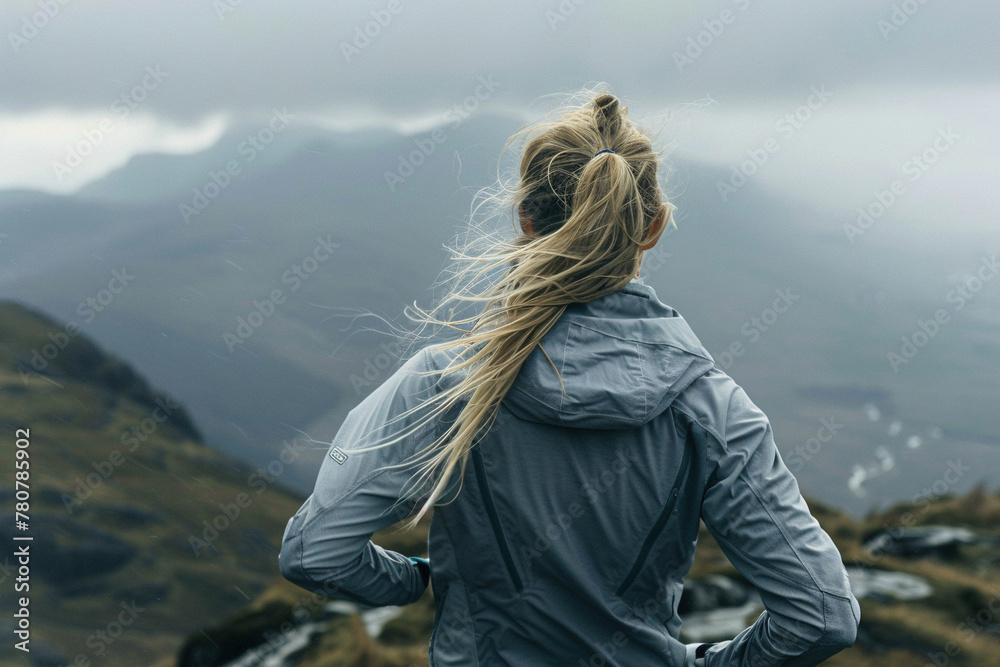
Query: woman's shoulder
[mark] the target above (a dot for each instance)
(716, 402)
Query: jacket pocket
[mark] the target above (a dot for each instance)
(661, 521)
(491, 511)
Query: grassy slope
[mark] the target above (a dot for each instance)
(155, 500)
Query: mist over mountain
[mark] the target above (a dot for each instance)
(250, 273)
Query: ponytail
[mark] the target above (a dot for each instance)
(588, 214)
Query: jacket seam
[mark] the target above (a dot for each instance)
(354, 597)
(479, 467)
(695, 420)
(701, 453)
(562, 373)
(525, 415)
(634, 290)
(642, 381)
(438, 620)
(609, 334)
(753, 489)
(325, 508)
(318, 513)
(707, 429)
(468, 595)
(660, 524)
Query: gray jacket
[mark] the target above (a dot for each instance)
(579, 511)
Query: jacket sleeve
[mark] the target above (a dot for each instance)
(327, 547)
(753, 508)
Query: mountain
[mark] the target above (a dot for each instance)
(141, 533)
(293, 220)
(263, 285)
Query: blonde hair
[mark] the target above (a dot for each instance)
(589, 214)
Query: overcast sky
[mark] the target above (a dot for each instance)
(894, 76)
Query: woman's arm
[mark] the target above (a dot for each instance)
(327, 547)
(753, 508)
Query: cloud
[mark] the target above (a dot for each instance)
(60, 151)
(939, 141)
(400, 64)
(425, 55)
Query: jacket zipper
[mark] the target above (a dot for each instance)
(660, 521)
(491, 511)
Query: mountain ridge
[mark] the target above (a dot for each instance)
(141, 533)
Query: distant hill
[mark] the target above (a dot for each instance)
(36, 347)
(318, 352)
(141, 533)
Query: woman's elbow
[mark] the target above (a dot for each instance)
(291, 566)
(290, 562)
(843, 617)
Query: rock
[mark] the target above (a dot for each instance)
(887, 585)
(714, 592)
(920, 541)
(235, 636)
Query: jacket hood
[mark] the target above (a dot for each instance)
(623, 358)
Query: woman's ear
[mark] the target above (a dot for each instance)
(525, 221)
(655, 229)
